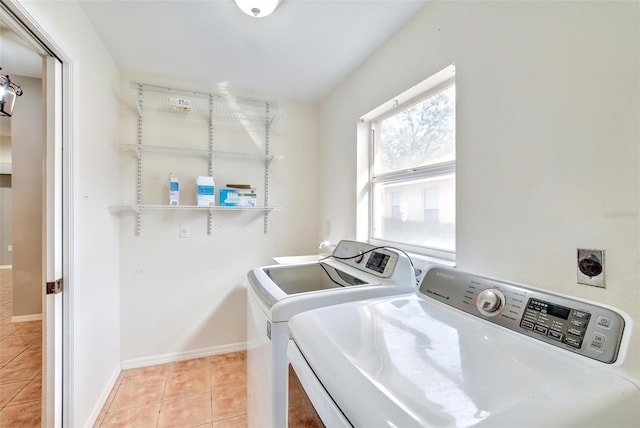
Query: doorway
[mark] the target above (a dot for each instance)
(31, 339)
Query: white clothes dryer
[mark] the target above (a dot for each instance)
(354, 271)
(468, 351)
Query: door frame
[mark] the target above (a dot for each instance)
(46, 45)
(52, 308)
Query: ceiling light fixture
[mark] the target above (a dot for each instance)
(257, 8)
(8, 93)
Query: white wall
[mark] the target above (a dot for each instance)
(93, 282)
(548, 103)
(27, 193)
(6, 217)
(182, 297)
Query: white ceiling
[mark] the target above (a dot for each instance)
(301, 51)
(17, 56)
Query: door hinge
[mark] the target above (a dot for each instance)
(54, 287)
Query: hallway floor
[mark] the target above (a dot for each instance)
(203, 392)
(20, 364)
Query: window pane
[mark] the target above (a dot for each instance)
(419, 212)
(421, 135)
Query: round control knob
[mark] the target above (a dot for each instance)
(490, 301)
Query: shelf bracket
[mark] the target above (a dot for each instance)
(138, 222)
(139, 163)
(266, 168)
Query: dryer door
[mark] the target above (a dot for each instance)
(309, 404)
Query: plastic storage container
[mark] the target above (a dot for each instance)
(205, 189)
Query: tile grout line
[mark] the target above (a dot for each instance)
(19, 392)
(164, 392)
(210, 379)
(15, 395)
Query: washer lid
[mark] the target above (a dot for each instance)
(409, 361)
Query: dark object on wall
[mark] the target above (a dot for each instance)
(8, 93)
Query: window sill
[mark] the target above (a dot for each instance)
(422, 263)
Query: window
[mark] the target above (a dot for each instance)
(412, 172)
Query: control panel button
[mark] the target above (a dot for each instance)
(581, 315)
(597, 342)
(541, 329)
(575, 332)
(573, 342)
(604, 322)
(527, 324)
(578, 323)
(555, 335)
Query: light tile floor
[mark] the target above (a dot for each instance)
(203, 392)
(20, 364)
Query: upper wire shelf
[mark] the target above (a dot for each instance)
(224, 107)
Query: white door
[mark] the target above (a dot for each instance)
(52, 227)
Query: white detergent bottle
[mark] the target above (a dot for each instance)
(205, 189)
(174, 191)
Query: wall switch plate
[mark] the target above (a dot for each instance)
(591, 267)
(185, 231)
(9, 248)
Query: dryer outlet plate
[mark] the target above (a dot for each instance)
(590, 265)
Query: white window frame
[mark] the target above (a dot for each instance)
(428, 87)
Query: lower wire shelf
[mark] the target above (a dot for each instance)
(138, 208)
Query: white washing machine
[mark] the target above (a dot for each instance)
(355, 271)
(468, 351)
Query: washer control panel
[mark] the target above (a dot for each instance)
(573, 325)
(377, 261)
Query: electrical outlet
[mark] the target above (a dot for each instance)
(185, 231)
(9, 248)
(591, 267)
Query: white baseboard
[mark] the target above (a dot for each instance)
(6, 267)
(104, 396)
(180, 356)
(27, 318)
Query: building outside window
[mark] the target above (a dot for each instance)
(431, 205)
(396, 205)
(412, 173)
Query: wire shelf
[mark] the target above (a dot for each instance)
(138, 208)
(200, 153)
(200, 108)
(245, 156)
(181, 151)
(246, 112)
